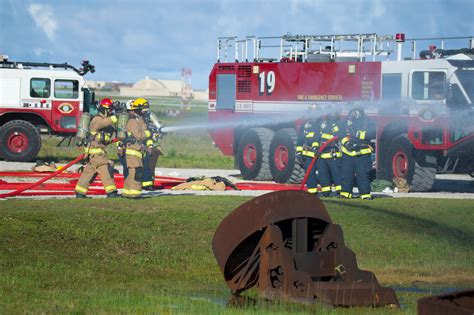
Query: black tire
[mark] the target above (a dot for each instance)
(283, 166)
(19, 141)
(253, 152)
(420, 168)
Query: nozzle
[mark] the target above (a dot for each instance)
(162, 133)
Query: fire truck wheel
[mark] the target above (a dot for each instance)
(283, 166)
(253, 154)
(419, 170)
(19, 141)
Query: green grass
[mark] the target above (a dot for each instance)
(154, 255)
(182, 149)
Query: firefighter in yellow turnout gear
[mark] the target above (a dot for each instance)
(153, 151)
(101, 132)
(137, 133)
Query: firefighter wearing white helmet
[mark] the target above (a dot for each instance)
(137, 133)
(153, 151)
(121, 144)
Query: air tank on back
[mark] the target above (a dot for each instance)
(122, 126)
(83, 129)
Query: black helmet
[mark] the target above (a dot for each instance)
(356, 113)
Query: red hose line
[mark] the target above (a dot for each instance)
(60, 170)
(316, 157)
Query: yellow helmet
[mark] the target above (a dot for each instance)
(140, 103)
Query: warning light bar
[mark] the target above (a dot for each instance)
(400, 37)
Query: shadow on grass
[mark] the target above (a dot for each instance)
(416, 224)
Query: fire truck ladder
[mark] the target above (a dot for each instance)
(306, 48)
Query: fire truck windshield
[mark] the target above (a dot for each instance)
(466, 77)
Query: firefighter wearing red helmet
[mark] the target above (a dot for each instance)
(137, 133)
(100, 135)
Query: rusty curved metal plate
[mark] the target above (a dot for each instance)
(239, 233)
(286, 244)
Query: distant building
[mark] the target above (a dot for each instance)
(153, 87)
(201, 95)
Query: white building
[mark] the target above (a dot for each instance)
(153, 87)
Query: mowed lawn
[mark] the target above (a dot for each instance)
(154, 255)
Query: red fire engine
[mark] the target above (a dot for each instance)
(39, 98)
(422, 105)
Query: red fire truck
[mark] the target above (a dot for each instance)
(39, 98)
(422, 104)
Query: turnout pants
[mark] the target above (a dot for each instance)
(122, 159)
(149, 164)
(132, 186)
(360, 167)
(98, 164)
(312, 182)
(329, 171)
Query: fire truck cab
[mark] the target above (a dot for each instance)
(39, 98)
(422, 104)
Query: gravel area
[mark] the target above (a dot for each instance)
(447, 186)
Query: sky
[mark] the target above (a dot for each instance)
(129, 40)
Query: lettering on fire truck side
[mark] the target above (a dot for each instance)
(319, 97)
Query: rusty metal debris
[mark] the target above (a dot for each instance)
(286, 244)
(456, 303)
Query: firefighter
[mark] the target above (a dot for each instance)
(330, 161)
(136, 133)
(356, 148)
(121, 144)
(153, 151)
(101, 131)
(306, 148)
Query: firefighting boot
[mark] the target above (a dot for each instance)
(113, 194)
(367, 197)
(81, 196)
(334, 194)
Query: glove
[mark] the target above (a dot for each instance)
(351, 146)
(155, 136)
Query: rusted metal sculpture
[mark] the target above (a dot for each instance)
(285, 243)
(455, 303)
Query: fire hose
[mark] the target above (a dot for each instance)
(316, 157)
(174, 181)
(60, 170)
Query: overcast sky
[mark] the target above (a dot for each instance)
(128, 40)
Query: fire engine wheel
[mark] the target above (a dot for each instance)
(20, 141)
(253, 154)
(283, 166)
(418, 170)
